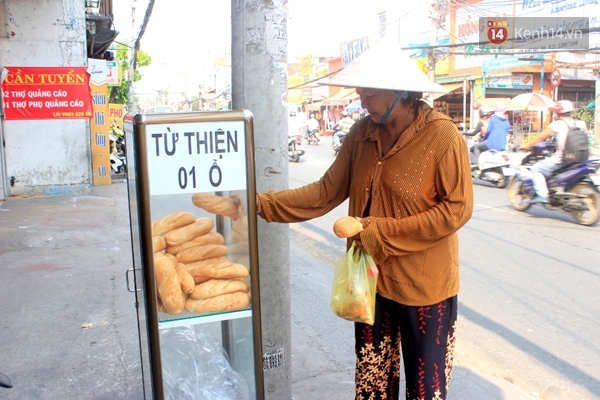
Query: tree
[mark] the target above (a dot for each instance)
(120, 94)
(136, 49)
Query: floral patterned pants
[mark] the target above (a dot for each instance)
(426, 335)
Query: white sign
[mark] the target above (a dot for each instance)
(196, 157)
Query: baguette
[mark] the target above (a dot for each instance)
(209, 238)
(168, 285)
(215, 287)
(224, 302)
(185, 279)
(228, 206)
(223, 270)
(158, 244)
(199, 227)
(347, 227)
(172, 221)
(198, 253)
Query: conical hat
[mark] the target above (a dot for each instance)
(385, 66)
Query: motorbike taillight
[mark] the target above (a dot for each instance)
(505, 156)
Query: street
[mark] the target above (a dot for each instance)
(528, 308)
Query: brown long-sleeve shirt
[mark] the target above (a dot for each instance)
(418, 194)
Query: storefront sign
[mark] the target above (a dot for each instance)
(46, 93)
(515, 81)
(191, 158)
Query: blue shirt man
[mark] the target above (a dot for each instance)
(496, 133)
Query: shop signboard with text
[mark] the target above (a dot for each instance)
(514, 81)
(46, 93)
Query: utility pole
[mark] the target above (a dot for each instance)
(437, 16)
(259, 84)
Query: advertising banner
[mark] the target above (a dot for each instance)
(46, 93)
(100, 139)
(514, 81)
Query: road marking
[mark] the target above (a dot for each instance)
(497, 209)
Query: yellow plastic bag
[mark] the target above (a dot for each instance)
(354, 286)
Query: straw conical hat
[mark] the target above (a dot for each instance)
(384, 66)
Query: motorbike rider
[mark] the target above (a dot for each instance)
(312, 125)
(496, 134)
(559, 128)
(479, 130)
(343, 126)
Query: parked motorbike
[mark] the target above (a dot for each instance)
(295, 147)
(5, 381)
(574, 189)
(493, 166)
(313, 137)
(118, 162)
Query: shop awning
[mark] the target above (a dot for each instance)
(342, 98)
(313, 106)
(452, 88)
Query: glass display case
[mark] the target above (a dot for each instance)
(193, 221)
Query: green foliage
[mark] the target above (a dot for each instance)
(120, 94)
(586, 116)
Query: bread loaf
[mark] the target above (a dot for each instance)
(215, 287)
(347, 227)
(158, 243)
(223, 270)
(172, 221)
(185, 279)
(198, 253)
(224, 302)
(180, 235)
(209, 238)
(228, 206)
(168, 285)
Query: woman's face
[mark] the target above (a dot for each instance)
(377, 102)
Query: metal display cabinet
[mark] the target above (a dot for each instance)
(192, 199)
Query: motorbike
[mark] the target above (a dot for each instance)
(493, 166)
(574, 189)
(313, 137)
(118, 162)
(295, 147)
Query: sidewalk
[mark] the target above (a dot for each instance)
(69, 326)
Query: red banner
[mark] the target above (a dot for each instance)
(46, 93)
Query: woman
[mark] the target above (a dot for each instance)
(406, 172)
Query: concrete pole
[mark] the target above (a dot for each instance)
(597, 110)
(259, 84)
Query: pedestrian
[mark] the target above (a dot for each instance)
(405, 170)
(496, 134)
(559, 128)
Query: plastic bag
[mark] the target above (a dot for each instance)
(196, 367)
(355, 286)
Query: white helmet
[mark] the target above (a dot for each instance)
(384, 66)
(344, 113)
(563, 107)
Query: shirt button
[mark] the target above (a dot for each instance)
(378, 162)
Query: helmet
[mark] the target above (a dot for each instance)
(562, 107)
(312, 115)
(484, 111)
(344, 113)
(384, 66)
